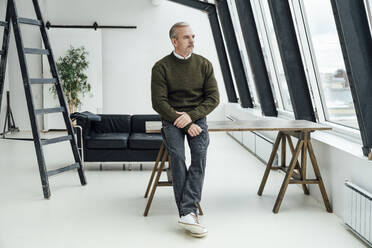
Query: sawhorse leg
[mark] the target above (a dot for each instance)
(287, 177)
(302, 168)
(270, 163)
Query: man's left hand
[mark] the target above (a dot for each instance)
(182, 120)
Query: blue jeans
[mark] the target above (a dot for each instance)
(187, 184)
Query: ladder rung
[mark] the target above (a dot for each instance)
(56, 140)
(36, 51)
(4, 24)
(43, 81)
(63, 169)
(49, 110)
(29, 21)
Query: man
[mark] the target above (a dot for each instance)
(184, 91)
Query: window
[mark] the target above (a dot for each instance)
(305, 50)
(243, 51)
(368, 4)
(267, 53)
(270, 32)
(333, 82)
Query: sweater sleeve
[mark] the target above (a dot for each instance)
(159, 95)
(211, 95)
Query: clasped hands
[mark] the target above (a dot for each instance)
(183, 120)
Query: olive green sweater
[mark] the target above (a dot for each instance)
(185, 86)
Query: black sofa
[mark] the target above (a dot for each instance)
(117, 138)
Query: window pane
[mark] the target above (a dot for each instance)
(266, 53)
(243, 51)
(307, 60)
(333, 82)
(276, 55)
(369, 13)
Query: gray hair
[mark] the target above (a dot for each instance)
(172, 31)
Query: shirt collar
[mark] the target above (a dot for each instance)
(181, 57)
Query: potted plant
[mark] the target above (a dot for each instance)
(71, 69)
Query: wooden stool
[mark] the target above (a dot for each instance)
(163, 156)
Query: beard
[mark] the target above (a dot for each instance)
(190, 48)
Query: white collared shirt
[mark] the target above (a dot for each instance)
(181, 57)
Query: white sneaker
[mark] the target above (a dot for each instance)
(191, 223)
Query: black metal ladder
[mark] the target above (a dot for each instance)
(11, 17)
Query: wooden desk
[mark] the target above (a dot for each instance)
(299, 129)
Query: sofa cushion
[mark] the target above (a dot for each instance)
(145, 141)
(107, 141)
(138, 122)
(112, 124)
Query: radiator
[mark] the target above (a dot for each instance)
(357, 211)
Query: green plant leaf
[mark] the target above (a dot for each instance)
(72, 72)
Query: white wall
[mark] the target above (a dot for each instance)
(129, 54)
(32, 38)
(338, 161)
(61, 40)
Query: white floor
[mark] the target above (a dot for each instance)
(108, 212)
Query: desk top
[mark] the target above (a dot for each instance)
(259, 124)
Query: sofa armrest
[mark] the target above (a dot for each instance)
(84, 120)
(86, 115)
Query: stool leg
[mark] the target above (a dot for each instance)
(169, 168)
(200, 210)
(156, 183)
(154, 169)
